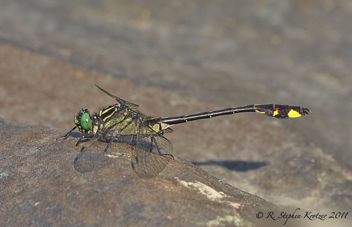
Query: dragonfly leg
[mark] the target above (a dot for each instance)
(63, 137)
(87, 137)
(84, 146)
(80, 140)
(107, 146)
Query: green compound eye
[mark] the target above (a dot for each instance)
(86, 122)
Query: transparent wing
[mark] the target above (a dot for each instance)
(121, 101)
(91, 156)
(151, 153)
(94, 152)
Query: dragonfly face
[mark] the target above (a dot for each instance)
(83, 121)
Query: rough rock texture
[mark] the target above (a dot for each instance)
(182, 58)
(40, 186)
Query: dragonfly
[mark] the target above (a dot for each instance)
(122, 123)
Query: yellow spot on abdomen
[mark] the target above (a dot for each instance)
(258, 111)
(276, 112)
(293, 114)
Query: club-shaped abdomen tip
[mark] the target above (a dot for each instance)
(297, 111)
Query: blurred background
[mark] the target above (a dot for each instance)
(183, 57)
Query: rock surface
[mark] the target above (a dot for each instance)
(40, 186)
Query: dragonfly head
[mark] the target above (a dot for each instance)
(83, 121)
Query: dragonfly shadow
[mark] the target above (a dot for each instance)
(239, 166)
(91, 156)
(87, 162)
(75, 135)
